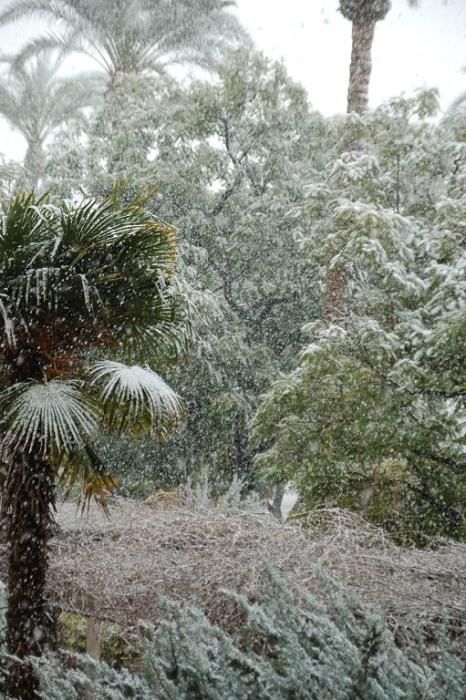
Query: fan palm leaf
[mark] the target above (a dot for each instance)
(135, 399)
(54, 417)
(94, 262)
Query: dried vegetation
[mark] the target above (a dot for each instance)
(113, 568)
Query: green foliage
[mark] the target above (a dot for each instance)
(71, 632)
(373, 416)
(232, 159)
(231, 162)
(320, 648)
(72, 282)
(121, 135)
(118, 648)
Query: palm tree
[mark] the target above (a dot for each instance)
(134, 37)
(363, 15)
(77, 286)
(36, 101)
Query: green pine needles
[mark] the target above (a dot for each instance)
(326, 647)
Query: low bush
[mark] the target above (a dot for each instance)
(330, 646)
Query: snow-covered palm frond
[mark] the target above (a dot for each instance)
(8, 324)
(135, 398)
(124, 37)
(460, 101)
(35, 100)
(54, 417)
(45, 9)
(99, 260)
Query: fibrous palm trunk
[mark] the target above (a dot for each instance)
(3, 519)
(358, 99)
(360, 67)
(29, 497)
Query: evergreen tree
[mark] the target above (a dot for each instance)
(324, 647)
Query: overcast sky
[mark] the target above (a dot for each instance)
(412, 48)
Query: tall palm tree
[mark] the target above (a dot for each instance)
(136, 36)
(36, 101)
(363, 15)
(77, 286)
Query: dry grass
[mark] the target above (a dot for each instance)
(112, 568)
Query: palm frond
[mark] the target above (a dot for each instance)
(84, 471)
(35, 100)
(47, 9)
(457, 103)
(20, 230)
(135, 399)
(54, 417)
(96, 261)
(8, 324)
(135, 36)
(36, 46)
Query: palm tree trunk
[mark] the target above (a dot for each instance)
(29, 494)
(361, 66)
(3, 511)
(358, 100)
(34, 164)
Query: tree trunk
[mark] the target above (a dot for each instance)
(34, 164)
(358, 100)
(361, 66)
(334, 300)
(276, 506)
(3, 509)
(29, 494)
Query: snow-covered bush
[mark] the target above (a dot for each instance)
(373, 416)
(330, 647)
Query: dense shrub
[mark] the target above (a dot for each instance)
(330, 647)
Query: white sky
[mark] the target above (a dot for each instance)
(412, 48)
